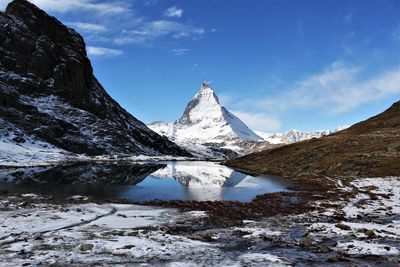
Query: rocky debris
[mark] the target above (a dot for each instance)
(342, 226)
(47, 89)
(86, 247)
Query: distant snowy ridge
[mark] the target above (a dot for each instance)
(208, 126)
(295, 136)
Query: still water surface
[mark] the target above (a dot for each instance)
(140, 182)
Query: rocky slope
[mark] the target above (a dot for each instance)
(208, 128)
(48, 91)
(370, 148)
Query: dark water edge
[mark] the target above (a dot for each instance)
(140, 182)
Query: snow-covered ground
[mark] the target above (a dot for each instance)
(362, 229)
(121, 234)
(371, 219)
(17, 148)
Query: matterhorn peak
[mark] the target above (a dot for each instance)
(207, 123)
(206, 90)
(205, 86)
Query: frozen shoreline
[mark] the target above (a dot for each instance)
(360, 229)
(61, 159)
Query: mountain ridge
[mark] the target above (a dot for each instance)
(294, 136)
(46, 76)
(370, 148)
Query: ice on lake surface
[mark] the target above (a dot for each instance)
(140, 182)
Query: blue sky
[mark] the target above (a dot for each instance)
(278, 65)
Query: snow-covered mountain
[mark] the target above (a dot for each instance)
(295, 136)
(50, 97)
(207, 128)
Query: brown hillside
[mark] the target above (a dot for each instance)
(367, 149)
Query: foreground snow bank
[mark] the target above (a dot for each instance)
(17, 148)
(86, 234)
(358, 227)
(370, 224)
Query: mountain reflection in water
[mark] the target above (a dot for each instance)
(140, 182)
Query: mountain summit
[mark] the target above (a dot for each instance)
(204, 101)
(49, 95)
(205, 122)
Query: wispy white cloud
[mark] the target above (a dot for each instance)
(173, 12)
(103, 7)
(111, 22)
(63, 6)
(149, 2)
(259, 121)
(90, 27)
(338, 89)
(396, 34)
(151, 30)
(103, 51)
(180, 51)
(348, 18)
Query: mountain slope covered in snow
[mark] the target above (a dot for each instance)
(48, 92)
(208, 124)
(295, 136)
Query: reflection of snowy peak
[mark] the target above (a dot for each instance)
(199, 175)
(295, 136)
(206, 122)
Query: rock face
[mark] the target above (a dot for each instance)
(47, 90)
(370, 148)
(207, 125)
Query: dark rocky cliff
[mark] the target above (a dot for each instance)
(48, 90)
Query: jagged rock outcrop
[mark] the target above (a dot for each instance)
(48, 90)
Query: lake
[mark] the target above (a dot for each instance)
(186, 180)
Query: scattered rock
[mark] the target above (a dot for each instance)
(208, 237)
(370, 234)
(306, 242)
(322, 249)
(86, 247)
(239, 232)
(343, 226)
